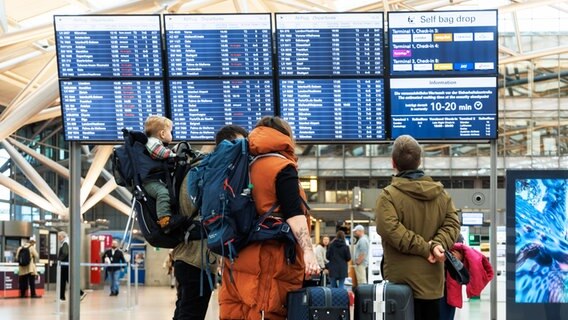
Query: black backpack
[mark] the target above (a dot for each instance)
(24, 257)
(132, 165)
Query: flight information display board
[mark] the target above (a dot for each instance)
(219, 45)
(443, 43)
(348, 44)
(331, 110)
(201, 107)
(109, 46)
(444, 108)
(98, 110)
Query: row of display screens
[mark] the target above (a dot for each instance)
(317, 109)
(327, 44)
(331, 84)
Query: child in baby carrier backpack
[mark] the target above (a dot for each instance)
(159, 132)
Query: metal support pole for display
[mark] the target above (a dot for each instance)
(74, 230)
(58, 288)
(129, 300)
(493, 231)
(135, 284)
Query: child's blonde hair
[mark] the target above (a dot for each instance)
(154, 124)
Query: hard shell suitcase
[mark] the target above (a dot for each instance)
(318, 303)
(384, 301)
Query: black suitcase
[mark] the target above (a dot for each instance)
(318, 303)
(384, 301)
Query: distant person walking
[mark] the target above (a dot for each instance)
(27, 256)
(360, 254)
(338, 255)
(112, 256)
(321, 251)
(63, 256)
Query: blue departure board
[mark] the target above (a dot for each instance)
(108, 46)
(444, 108)
(348, 44)
(201, 107)
(97, 110)
(332, 110)
(219, 45)
(443, 43)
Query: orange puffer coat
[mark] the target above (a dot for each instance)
(262, 278)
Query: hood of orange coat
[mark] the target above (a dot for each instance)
(266, 140)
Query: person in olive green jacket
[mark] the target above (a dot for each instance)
(417, 222)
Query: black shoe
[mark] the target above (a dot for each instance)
(176, 221)
(35, 297)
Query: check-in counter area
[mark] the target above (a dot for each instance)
(9, 284)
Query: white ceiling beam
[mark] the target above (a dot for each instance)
(375, 5)
(264, 5)
(46, 30)
(298, 5)
(33, 176)
(32, 85)
(122, 191)
(29, 107)
(508, 51)
(532, 55)
(517, 33)
(316, 5)
(97, 196)
(192, 6)
(64, 172)
(29, 195)
(238, 7)
(3, 19)
(46, 114)
(99, 160)
(529, 4)
(12, 81)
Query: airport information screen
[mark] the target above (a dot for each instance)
(443, 43)
(330, 69)
(219, 45)
(340, 109)
(444, 108)
(98, 110)
(220, 72)
(111, 74)
(108, 46)
(201, 107)
(348, 44)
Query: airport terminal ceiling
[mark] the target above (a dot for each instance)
(533, 95)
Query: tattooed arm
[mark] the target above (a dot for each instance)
(300, 229)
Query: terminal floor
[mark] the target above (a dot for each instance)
(156, 303)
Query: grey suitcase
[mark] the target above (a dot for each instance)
(384, 301)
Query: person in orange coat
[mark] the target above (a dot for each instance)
(480, 274)
(261, 277)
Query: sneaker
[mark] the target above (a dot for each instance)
(83, 296)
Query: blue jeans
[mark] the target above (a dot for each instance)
(447, 312)
(337, 282)
(114, 277)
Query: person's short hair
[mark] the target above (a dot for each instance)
(406, 153)
(230, 132)
(62, 234)
(340, 235)
(155, 123)
(276, 123)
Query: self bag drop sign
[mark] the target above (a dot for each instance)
(444, 108)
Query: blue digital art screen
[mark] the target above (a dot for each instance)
(537, 244)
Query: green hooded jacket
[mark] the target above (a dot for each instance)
(412, 211)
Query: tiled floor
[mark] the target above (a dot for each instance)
(155, 303)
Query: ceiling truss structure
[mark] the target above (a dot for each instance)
(29, 93)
